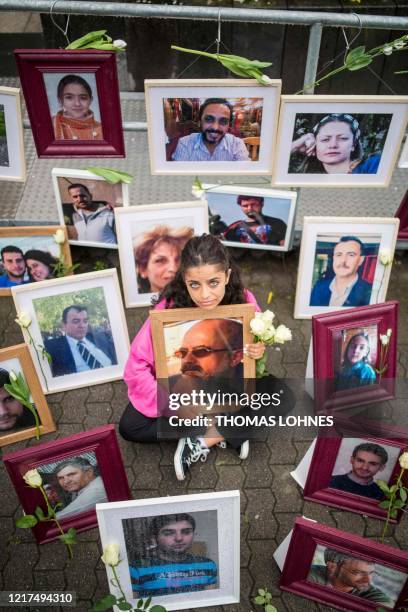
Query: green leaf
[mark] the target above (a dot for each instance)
(362, 63)
(27, 521)
(140, 604)
(270, 608)
(105, 603)
(393, 513)
(383, 485)
(356, 53)
(403, 495)
(398, 504)
(80, 42)
(39, 513)
(112, 176)
(147, 603)
(259, 600)
(124, 605)
(262, 592)
(157, 609)
(67, 538)
(384, 504)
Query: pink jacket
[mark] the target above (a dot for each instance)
(140, 373)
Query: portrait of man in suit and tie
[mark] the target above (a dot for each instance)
(80, 348)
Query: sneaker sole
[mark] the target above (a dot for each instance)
(244, 453)
(178, 466)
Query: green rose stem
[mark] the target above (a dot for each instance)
(391, 508)
(118, 584)
(38, 357)
(51, 512)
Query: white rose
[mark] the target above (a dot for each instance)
(197, 192)
(403, 460)
(59, 236)
(385, 257)
(384, 339)
(389, 332)
(387, 50)
(33, 478)
(12, 376)
(120, 44)
(258, 326)
(111, 555)
(23, 319)
(268, 316)
(269, 334)
(265, 79)
(399, 44)
(283, 334)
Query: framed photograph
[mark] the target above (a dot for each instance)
(79, 321)
(355, 356)
(86, 205)
(77, 473)
(201, 126)
(151, 239)
(249, 217)
(182, 551)
(72, 100)
(343, 471)
(12, 156)
(30, 255)
(402, 215)
(340, 263)
(17, 422)
(344, 570)
(403, 160)
(201, 348)
(339, 141)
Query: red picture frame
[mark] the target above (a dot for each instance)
(402, 215)
(325, 453)
(103, 442)
(325, 327)
(307, 535)
(33, 64)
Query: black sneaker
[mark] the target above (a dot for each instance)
(189, 450)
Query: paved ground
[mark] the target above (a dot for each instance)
(270, 499)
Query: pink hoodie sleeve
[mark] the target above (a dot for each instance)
(140, 371)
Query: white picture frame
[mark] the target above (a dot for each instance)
(403, 160)
(378, 234)
(371, 160)
(99, 292)
(12, 156)
(196, 91)
(225, 547)
(139, 221)
(118, 192)
(281, 205)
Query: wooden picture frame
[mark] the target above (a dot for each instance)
(14, 234)
(333, 455)
(100, 445)
(119, 192)
(18, 359)
(312, 539)
(12, 154)
(357, 381)
(159, 318)
(167, 123)
(361, 161)
(103, 323)
(216, 532)
(320, 237)
(182, 220)
(232, 225)
(100, 133)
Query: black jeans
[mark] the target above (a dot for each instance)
(136, 427)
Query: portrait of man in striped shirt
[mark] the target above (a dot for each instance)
(169, 564)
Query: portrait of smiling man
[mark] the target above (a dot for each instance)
(93, 221)
(366, 461)
(213, 142)
(12, 260)
(347, 288)
(169, 565)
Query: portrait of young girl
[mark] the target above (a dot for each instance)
(74, 106)
(358, 358)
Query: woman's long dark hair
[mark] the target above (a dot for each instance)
(200, 251)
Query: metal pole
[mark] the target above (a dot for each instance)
(209, 13)
(313, 50)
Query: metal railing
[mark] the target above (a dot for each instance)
(315, 20)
